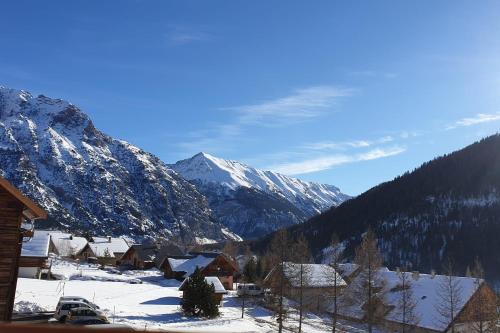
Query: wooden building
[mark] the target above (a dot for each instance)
(34, 255)
(15, 209)
(427, 291)
(219, 290)
(140, 256)
(316, 284)
(209, 263)
(107, 250)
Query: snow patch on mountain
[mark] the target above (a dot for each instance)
(253, 202)
(87, 180)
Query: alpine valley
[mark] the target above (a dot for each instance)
(87, 180)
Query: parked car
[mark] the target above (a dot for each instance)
(63, 309)
(78, 299)
(249, 289)
(85, 313)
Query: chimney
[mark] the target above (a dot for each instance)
(415, 275)
(109, 239)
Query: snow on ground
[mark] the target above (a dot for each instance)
(153, 304)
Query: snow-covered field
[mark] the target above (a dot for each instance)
(154, 304)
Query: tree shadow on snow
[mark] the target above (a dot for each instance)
(168, 300)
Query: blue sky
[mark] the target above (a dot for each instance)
(349, 93)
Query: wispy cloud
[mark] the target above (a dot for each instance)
(343, 145)
(477, 119)
(299, 106)
(330, 161)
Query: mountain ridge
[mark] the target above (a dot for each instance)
(88, 180)
(252, 202)
(448, 207)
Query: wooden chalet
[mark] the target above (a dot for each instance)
(209, 263)
(107, 250)
(426, 289)
(219, 290)
(34, 255)
(317, 285)
(140, 256)
(15, 209)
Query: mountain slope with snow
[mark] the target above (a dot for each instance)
(253, 202)
(87, 180)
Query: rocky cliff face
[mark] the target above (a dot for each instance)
(88, 181)
(252, 202)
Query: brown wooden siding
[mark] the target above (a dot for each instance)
(11, 239)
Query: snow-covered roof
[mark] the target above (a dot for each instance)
(190, 265)
(112, 245)
(313, 276)
(426, 293)
(66, 244)
(425, 289)
(347, 269)
(37, 246)
(213, 280)
(174, 263)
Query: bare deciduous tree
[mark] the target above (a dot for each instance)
(368, 286)
(449, 295)
(301, 255)
(335, 257)
(483, 304)
(230, 249)
(278, 254)
(406, 307)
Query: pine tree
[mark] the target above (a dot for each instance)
(198, 299)
(250, 270)
(259, 269)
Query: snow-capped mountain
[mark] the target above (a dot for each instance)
(88, 181)
(252, 202)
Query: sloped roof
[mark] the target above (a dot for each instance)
(425, 290)
(176, 262)
(33, 210)
(347, 269)
(66, 244)
(213, 280)
(145, 252)
(313, 276)
(37, 246)
(113, 246)
(189, 265)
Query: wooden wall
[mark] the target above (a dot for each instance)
(10, 250)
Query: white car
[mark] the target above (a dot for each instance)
(249, 289)
(63, 308)
(78, 299)
(84, 313)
